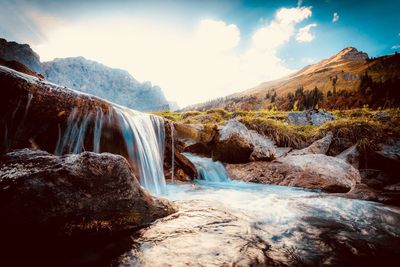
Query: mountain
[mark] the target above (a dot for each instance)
(112, 84)
(23, 53)
(338, 76)
(87, 76)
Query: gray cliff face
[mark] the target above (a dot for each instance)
(22, 53)
(88, 76)
(115, 85)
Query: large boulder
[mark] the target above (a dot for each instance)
(310, 117)
(70, 210)
(238, 144)
(313, 171)
(195, 132)
(80, 192)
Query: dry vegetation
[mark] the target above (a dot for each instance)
(357, 125)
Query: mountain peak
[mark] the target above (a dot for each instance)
(352, 54)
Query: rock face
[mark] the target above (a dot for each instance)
(88, 76)
(36, 114)
(391, 151)
(114, 85)
(198, 222)
(238, 144)
(34, 111)
(184, 170)
(22, 53)
(314, 171)
(320, 146)
(352, 54)
(351, 156)
(310, 117)
(73, 193)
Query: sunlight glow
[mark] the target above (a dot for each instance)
(190, 66)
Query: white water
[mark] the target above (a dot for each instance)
(209, 170)
(307, 227)
(143, 136)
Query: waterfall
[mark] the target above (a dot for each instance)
(144, 138)
(173, 152)
(209, 170)
(142, 134)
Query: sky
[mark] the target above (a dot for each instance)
(204, 49)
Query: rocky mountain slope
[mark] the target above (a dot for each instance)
(112, 84)
(342, 72)
(88, 76)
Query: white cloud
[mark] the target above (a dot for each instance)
(396, 47)
(335, 17)
(189, 65)
(304, 34)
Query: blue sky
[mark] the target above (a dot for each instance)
(212, 47)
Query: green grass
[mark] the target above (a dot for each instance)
(356, 125)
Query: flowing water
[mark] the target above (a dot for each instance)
(209, 170)
(143, 136)
(224, 222)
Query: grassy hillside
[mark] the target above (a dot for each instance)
(337, 79)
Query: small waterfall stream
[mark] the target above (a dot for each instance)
(143, 135)
(209, 170)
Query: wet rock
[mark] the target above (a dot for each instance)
(320, 146)
(364, 192)
(313, 171)
(200, 149)
(233, 150)
(310, 117)
(71, 194)
(238, 144)
(201, 233)
(184, 170)
(351, 156)
(37, 112)
(15, 65)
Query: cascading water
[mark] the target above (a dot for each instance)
(144, 138)
(173, 152)
(209, 170)
(143, 135)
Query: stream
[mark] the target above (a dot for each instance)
(231, 223)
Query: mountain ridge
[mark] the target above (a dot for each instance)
(340, 72)
(89, 76)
